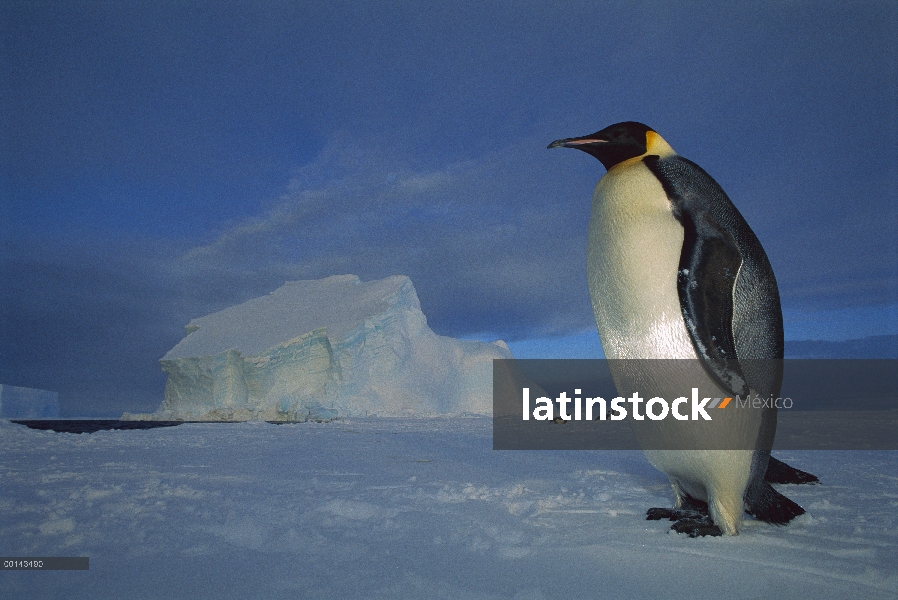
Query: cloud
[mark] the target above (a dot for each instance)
(491, 244)
(494, 243)
(87, 318)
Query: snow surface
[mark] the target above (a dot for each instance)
(411, 508)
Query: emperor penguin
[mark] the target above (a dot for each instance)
(675, 272)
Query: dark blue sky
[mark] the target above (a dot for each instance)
(164, 160)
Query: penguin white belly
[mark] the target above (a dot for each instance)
(634, 249)
(633, 253)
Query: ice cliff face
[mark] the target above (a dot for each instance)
(28, 403)
(325, 348)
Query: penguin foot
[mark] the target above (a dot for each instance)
(770, 506)
(780, 472)
(697, 527)
(692, 518)
(673, 514)
(656, 514)
(689, 508)
(693, 522)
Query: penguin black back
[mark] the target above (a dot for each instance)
(726, 283)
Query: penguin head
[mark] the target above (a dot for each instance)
(617, 143)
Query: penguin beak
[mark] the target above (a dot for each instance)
(576, 141)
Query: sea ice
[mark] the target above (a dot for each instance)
(319, 349)
(410, 509)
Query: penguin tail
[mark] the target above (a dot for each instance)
(780, 472)
(770, 506)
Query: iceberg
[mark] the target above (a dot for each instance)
(28, 403)
(315, 350)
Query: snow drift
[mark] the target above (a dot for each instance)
(325, 348)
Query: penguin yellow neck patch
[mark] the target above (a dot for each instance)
(656, 145)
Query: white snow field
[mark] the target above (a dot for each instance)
(411, 508)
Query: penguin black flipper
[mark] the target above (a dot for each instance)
(710, 264)
(729, 298)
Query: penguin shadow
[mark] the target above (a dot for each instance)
(693, 518)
